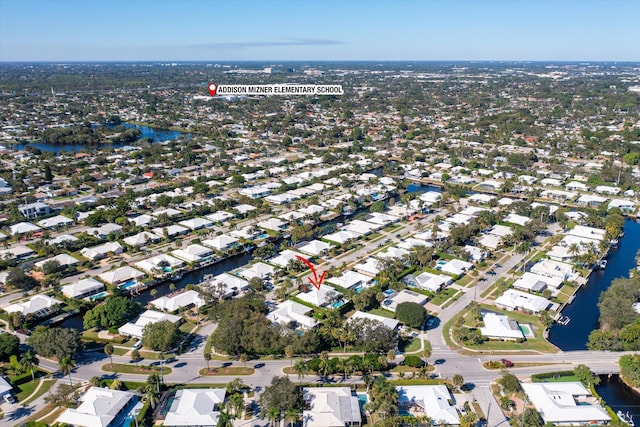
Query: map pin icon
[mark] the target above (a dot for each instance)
(212, 89)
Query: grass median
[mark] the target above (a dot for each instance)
(226, 371)
(122, 368)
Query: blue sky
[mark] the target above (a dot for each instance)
(183, 30)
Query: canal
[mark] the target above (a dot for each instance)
(584, 312)
(619, 396)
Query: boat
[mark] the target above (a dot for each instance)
(603, 264)
(625, 417)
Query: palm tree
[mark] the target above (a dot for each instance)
(289, 353)
(153, 292)
(66, 366)
(243, 358)
(225, 419)
(457, 381)
(300, 368)
(291, 414)
(207, 357)
(28, 361)
(273, 415)
(108, 350)
(135, 356)
(236, 404)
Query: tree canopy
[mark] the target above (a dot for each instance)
(161, 336)
(411, 314)
(9, 345)
(114, 312)
(56, 342)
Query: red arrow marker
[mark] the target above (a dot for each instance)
(212, 89)
(315, 281)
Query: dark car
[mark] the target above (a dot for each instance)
(507, 363)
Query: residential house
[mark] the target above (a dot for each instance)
(330, 407)
(434, 401)
(500, 327)
(83, 288)
(195, 407)
(182, 300)
(513, 300)
(135, 328)
(291, 313)
(38, 305)
(101, 407)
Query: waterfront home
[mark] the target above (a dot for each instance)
(393, 252)
(121, 275)
(135, 328)
(434, 401)
(221, 242)
(292, 314)
(606, 189)
(385, 321)
(101, 407)
(226, 285)
(249, 232)
(142, 220)
(330, 407)
(554, 269)
(55, 222)
(591, 200)
(38, 305)
(595, 234)
(565, 403)
(626, 206)
(174, 303)
(259, 270)
(142, 238)
(391, 302)
(513, 300)
(102, 251)
(536, 283)
(194, 254)
(63, 260)
(195, 407)
(283, 258)
(82, 288)
(244, 209)
(315, 247)
(322, 297)
(274, 224)
(160, 265)
(500, 327)
(196, 223)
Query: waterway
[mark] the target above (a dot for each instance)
(619, 396)
(147, 132)
(584, 312)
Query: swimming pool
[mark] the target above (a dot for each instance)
(98, 296)
(441, 262)
(129, 284)
(167, 269)
(359, 289)
(337, 304)
(526, 330)
(388, 292)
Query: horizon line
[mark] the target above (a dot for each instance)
(57, 61)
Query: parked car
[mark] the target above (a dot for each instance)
(137, 345)
(9, 398)
(507, 363)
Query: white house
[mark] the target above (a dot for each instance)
(517, 219)
(387, 322)
(391, 303)
(135, 328)
(432, 282)
(100, 407)
(221, 242)
(23, 227)
(196, 223)
(320, 297)
(536, 283)
(63, 260)
(227, 285)
(516, 300)
(454, 266)
(194, 253)
(83, 288)
(101, 251)
(142, 239)
(259, 270)
(176, 302)
(351, 279)
(195, 407)
(315, 247)
(330, 407)
(38, 305)
(565, 403)
(121, 275)
(291, 312)
(434, 401)
(499, 326)
(55, 221)
(160, 265)
(554, 269)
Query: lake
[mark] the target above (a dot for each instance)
(147, 132)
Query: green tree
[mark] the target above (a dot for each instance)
(9, 345)
(18, 279)
(457, 381)
(66, 366)
(27, 361)
(280, 395)
(411, 314)
(161, 336)
(630, 369)
(55, 342)
(532, 418)
(509, 383)
(108, 350)
(586, 377)
(135, 356)
(207, 358)
(114, 312)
